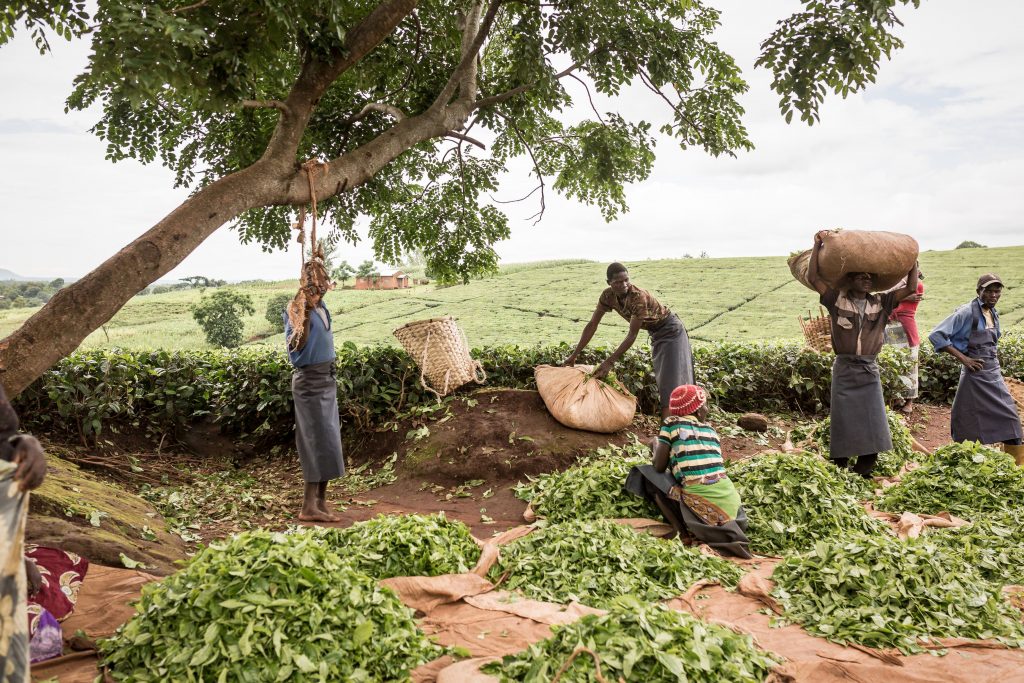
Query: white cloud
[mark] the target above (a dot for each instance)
(935, 148)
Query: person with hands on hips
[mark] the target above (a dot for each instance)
(983, 409)
(670, 345)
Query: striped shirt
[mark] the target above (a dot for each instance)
(695, 450)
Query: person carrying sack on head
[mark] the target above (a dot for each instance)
(687, 479)
(670, 345)
(307, 328)
(859, 425)
(983, 409)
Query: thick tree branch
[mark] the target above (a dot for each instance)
(469, 56)
(265, 104)
(316, 76)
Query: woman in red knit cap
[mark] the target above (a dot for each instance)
(687, 480)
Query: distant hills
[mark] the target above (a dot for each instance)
(11, 275)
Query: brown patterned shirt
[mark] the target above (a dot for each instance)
(638, 303)
(854, 331)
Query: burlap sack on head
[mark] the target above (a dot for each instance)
(887, 255)
(441, 351)
(581, 402)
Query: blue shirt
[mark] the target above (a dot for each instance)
(319, 346)
(956, 330)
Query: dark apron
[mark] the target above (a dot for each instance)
(728, 539)
(317, 424)
(672, 357)
(859, 423)
(983, 409)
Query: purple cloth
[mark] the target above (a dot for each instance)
(47, 642)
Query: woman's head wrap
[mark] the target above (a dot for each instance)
(687, 399)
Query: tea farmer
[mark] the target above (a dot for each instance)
(670, 345)
(903, 321)
(22, 468)
(859, 426)
(983, 409)
(307, 326)
(687, 479)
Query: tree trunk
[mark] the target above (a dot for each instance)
(76, 310)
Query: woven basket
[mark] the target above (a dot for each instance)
(817, 332)
(441, 351)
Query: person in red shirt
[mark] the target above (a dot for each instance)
(905, 314)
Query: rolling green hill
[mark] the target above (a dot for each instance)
(736, 299)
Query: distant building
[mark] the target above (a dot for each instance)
(396, 280)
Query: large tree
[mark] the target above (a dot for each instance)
(404, 112)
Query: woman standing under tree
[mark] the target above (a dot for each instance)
(983, 409)
(670, 345)
(307, 329)
(859, 426)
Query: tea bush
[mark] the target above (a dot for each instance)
(248, 391)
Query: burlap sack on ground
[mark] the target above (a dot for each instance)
(887, 255)
(581, 402)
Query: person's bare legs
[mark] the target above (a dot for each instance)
(314, 508)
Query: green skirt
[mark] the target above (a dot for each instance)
(722, 494)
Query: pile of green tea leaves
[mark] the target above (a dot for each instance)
(793, 500)
(882, 592)
(595, 561)
(965, 479)
(638, 642)
(592, 489)
(992, 545)
(267, 606)
(889, 462)
(406, 545)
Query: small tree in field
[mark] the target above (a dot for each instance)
(366, 269)
(970, 244)
(220, 316)
(343, 272)
(275, 309)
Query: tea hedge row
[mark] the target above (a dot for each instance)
(248, 391)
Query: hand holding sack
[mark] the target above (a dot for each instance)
(886, 255)
(580, 401)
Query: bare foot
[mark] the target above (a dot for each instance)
(318, 516)
(322, 508)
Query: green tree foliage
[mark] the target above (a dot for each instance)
(366, 269)
(275, 309)
(970, 244)
(220, 316)
(343, 272)
(206, 87)
(21, 294)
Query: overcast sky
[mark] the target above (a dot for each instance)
(935, 149)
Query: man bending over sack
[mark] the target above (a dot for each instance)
(695, 495)
(670, 345)
(859, 426)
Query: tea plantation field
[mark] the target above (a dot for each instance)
(735, 299)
